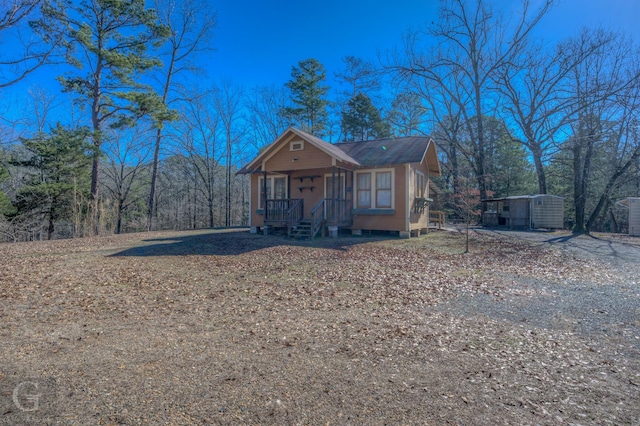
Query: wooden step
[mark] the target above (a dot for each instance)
(302, 230)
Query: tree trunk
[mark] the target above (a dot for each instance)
(154, 179)
(579, 197)
(97, 143)
(51, 226)
(604, 198)
(211, 211)
(119, 217)
(536, 151)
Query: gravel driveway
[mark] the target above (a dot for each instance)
(605, 311)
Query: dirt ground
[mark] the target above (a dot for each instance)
(226, 327)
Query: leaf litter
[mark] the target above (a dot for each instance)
(233, 328)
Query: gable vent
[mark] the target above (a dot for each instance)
(296, 146)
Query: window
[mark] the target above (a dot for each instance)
(364, 190)
(421, 184)
(280, 188)
(296, 146)
(374, 189)
(276, 189)
(383, 189)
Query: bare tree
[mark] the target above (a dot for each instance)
(28, 38)
(607, 88)
(201, 138)
(228, 102)
(536, 97)
(191, 27)
(408, 114)
(471, 45)
(127, 155)
(265, 119)
(359, 76)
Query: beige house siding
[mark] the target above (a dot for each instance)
(311, 191)
(372, 220)
(309, 158)
(255, 219)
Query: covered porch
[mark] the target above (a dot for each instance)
(305, 203)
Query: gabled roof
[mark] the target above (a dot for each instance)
(326, 147)
(372, 153)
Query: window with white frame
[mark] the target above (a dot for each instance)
(421, 185)
(364, 190)
(383, 189)
(374, 189)
(276, 189)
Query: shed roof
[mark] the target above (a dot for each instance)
(520, 197)
(625, 202)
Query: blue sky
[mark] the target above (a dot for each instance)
(258, 42)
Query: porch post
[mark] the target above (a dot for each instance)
(339, 208)
(264, 194)
(332, 203)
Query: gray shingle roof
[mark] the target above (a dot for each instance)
(381, 152)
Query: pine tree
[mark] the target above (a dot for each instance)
(361, 120)
(59, 165)
(109, 39)
(308, 93)
(6, 208)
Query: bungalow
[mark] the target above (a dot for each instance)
(304, 184)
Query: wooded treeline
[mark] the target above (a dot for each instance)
(130, 139)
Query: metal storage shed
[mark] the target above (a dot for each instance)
(633, 204)
(525, 212)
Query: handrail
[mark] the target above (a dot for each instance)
(317, 217)
(436, 217)
(294, 214)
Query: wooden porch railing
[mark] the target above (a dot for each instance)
(276, 211)
(317, 217)
(290, 212)
(295, 214)
(436, 217)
